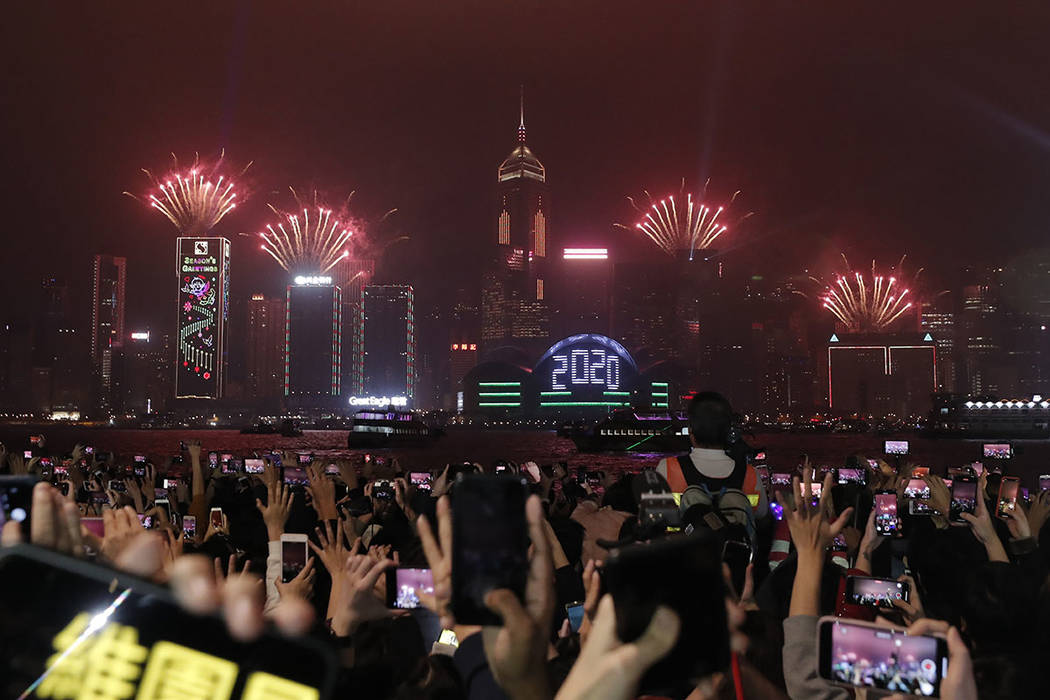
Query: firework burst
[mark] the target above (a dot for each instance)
(683, 224)
(195, 199)
(867, 303)
(310, 240)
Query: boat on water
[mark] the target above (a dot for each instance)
(630, 430)
(389, 428)
(287, 428)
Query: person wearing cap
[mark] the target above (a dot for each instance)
(718, 458)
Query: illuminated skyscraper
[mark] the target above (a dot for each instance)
(515, 310)
(313, 340)
(352, 275)
(389, 341)
(203, 267)
(107, 321)
(265, 348)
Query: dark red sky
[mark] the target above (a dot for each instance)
(876, 131)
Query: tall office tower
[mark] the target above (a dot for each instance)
(313, 340)
(938, 319)
(881, 373)
(203, 268)
(107, 321)
(57, 348)
(16, 366)
(147, 372)
(390, 344)
(352, 276)
(582, 292)
(1025, 360)
(265, 351)
(515, 309)
(980, 335)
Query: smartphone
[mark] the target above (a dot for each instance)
(140, 458)
(165, 505)
(61, 470)
(919, 472)
(293, 555)
(964, 497)
(887, 522)
(873, 463)
(305, 458)
(88, 449)
(117, 486)
(228, 467)
(36, 440)
(332, 470)
(383, 490)
(683, 572)
(63, 487)
(146, 520)
(404, 585)
(502, 468)
(780, 479)
(448, 637)
(876, 592)
(917, 489)
(254, 465)
(189, 526)
(997, 450)
(215, 517)
(574, 611)
(28, 454)
(896, 447)
(1044, 482)
(226, 457)
(139, 470)
(489, 543)
(295, 475)
(171, 484)
(155, 641)
(849, 475)
(1008, 489)
(213, 459)
(16, 500)
(867, 655)
(422, 481)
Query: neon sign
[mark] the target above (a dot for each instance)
(583, 366)
(313, 281)
(379, 401)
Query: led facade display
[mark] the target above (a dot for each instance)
(585, 370)
(203, 267)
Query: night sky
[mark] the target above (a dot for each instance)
(878, 131)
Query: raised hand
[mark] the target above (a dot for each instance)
(1038, 512)
(981, 524)
(868, 544)
(517, 650)
(810, 532)
(55, 523)
(608, 669)
(275, 512)
(357, 601)
(332, 550)
(438, 552)
(302, 586)
(322, 492)
(1017, 522)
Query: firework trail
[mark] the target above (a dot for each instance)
(685, 224)
(310, 240)
(194, 200)
(867, 303)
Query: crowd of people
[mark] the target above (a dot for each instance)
(979, 581)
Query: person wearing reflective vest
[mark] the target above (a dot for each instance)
(718, 459)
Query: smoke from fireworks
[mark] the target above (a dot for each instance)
(865, 302)
(194, 200)
(311, 240)
(683, 224)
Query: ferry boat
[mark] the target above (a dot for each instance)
(388, 428)
(629, 430)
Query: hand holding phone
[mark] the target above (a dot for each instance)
(867, 655)
(293, 556)
(887, 521)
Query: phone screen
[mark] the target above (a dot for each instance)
(293, 558)
(997, 451)
(1008, 495)
(28, 454)
(1044, 482)
(896, 447)
(421, 480)
(881, 657)
(848, 475)
(574, 611)
(964, 497)
(140, 458)
(253, 465)
(158, 651)
(405, 585)
(215, 517)
(489, 543)
(305, 458)
(189, 526)
(780, 479)
(915, 490)
(213, 459)
(876, 592)
(887, 522)
(16, 500)
(683, 572)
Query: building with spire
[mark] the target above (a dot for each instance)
(515, 310)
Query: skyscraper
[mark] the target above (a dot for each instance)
(265, 356)
(389, 342)
(352, 275)
(203, 268)
(313, 340)
(515, 309)
(109, 280)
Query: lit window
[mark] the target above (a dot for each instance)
(539, 230)
(504, 228)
